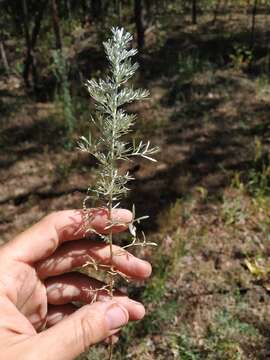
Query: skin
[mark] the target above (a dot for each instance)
(37, 288)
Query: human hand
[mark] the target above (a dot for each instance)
(37, 289)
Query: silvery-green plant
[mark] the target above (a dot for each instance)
(109, 147)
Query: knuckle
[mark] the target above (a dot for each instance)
(92, 328)
(119, 251)
(87, 332)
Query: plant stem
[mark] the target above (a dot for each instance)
(111, 248)
(111, 350)
(111, 281)
(113, 165)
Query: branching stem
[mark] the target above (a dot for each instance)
(113, 122)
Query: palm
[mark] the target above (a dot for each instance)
(31, 294)
(27, 293)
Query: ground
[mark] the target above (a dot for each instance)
(208, 195)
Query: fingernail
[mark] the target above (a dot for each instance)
(140, 309)
(148, 268)
(116, 316)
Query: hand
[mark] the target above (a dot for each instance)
(37, 288)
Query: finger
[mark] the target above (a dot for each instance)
(42, 239)
(78, 287)
(77, 253)
(58, 313)
(87, 326)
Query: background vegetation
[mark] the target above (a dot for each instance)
(206, 63)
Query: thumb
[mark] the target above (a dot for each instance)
(87, 326)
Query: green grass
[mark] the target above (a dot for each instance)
(162, 316)
(226, 335)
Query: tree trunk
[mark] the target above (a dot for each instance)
(248, 7)
(56, 25)
(96, 9)
(38, 21)
(85, 11)
(194, 12)
(4, 57)
(139, 21)
(26, 23)
(118, 6)
(29, 56)
(68, 8)
(30, 60)
(216, 11)
(253, 24)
